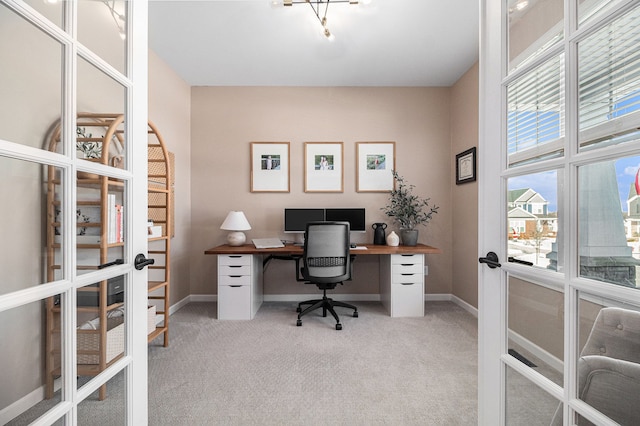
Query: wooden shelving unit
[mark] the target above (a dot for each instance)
(160, 194)
(93, 194)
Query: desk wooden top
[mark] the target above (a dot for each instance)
(291, 249)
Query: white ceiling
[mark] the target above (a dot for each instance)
(252, 43)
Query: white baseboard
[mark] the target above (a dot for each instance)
(454, 299)
(20, 406)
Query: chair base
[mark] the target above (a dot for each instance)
(327, 304)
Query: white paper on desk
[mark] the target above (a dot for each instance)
(359, 248)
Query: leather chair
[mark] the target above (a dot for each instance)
(326, 262)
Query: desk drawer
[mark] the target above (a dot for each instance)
(234, 270)
(407, 278)
(402, 259)
(407, 300)
(407, 268)
(234, 280)
(234, 259)
(234, 302)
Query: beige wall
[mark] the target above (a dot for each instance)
(170, 111)
(226, 119)
(464, 135)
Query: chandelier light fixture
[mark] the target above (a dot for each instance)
(320, 9)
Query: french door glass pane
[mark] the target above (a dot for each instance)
(100, 226)
(30, 81)
(533, 27)
(25, 364)
(527, 404)
(110, 411)
(535, 327)
(609, 83)
(532, 215)
(102, 28)
(23, 225)
(590, 9)
(535, 116)
(609, 358)
(609, 217)
(100, 123)
(101, 333)
(51, 9)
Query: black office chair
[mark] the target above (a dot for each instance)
(326, 263)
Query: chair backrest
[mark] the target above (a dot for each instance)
(326, 252)
(615, 334)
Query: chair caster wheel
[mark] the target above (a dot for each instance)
(355, 314)
(299, 323)
(338, 326)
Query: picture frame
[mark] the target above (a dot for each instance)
(466, 166)
(375, 162)
(270, 167)
(323, 167)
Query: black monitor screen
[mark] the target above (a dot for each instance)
(355, 217)
(295, 220)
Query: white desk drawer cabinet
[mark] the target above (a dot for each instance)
(402, 284)
(239, 286)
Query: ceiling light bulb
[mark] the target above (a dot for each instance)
(328, 34)
(522, 4)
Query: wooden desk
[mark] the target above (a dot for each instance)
(291, 249)
(240, 278)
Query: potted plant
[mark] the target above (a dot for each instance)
(408, 210)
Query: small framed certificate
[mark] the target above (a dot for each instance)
(466, 166)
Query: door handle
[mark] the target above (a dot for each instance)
(115, 262)
(522, 262)
(141, 261)
(491, 260)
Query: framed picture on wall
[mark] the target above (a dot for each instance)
(466, 166)
(323, 167)
(374, 163)
(270, 171)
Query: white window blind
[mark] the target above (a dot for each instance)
(609, 83)
(535, 121)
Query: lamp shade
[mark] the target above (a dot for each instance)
(235, 221)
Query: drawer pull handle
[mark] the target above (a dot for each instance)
(235, 286)
(408, 274)
(235, 276)
(407, 264)
(235, 256)
(407, 283)
(406, 255)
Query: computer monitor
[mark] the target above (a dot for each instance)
(355, 217)
(295, 220)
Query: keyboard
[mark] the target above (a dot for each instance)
(263, 243)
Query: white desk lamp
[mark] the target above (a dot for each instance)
(236, 222)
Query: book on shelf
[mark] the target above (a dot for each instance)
(115, 218)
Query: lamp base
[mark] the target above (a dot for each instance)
(236, 238)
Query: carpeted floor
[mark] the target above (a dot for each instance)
(376, 371)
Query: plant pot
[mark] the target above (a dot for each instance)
(409, 237)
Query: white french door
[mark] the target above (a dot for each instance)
(73, 151)
(559, 306)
